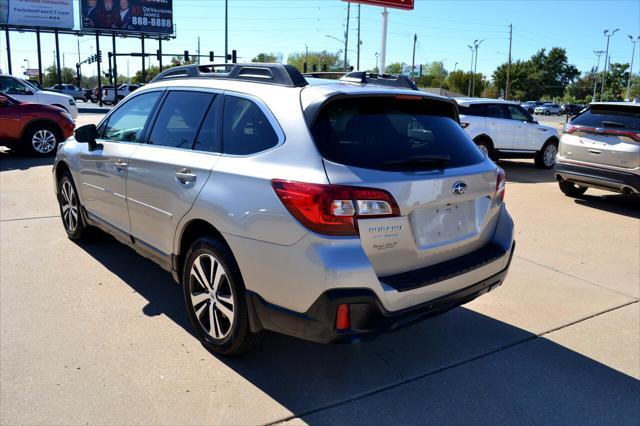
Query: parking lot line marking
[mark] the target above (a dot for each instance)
(576, 277)
(449, 367)
(29, 218)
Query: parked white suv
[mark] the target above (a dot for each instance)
(548, 109)
(109, 95)
(22, 91)
(503, 129)
(69, 89)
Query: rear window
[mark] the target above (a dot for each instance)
(617, 116)
(374, 132)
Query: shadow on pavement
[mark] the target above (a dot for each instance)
(524, 171)
(626, 205)
(11, 160)
(461, 367)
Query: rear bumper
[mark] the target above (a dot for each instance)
(612, 180)
(368, 316)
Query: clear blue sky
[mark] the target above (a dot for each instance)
(444, 30)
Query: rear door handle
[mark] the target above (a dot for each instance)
(120, 165)
(595, 151)
(185, 176)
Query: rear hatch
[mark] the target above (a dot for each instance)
(413, 148)
(604, 134)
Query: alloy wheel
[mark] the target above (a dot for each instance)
(212, 297)
(69, 206)
(43, 141)
(550, 155)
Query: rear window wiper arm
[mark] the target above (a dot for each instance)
(606, 123)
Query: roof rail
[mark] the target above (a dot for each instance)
(363, 77)
(328, 75)
(278, 74)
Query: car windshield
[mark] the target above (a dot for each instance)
(29, 85)
(390, 133)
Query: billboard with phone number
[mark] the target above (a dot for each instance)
(37, 13)
(134, 16)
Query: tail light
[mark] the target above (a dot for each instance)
(569, 128)
(333, 209)
(501, 185)
(343, 320)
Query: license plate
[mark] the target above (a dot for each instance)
(443, 224)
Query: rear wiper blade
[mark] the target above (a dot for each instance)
(418, 161)
(606, 123)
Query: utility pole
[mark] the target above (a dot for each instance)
(413, 59)
(476, 44)
(226, 30)
(198, 50)
(359, 41)
(346, 38)
(633, 53)
(78, 77)
(595, 80)
(606, 55)
(506, 91)
(470, 69)
(383, 51)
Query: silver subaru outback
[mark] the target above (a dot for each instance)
(327, 210)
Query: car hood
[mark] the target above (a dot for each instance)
(55, 94)
(38, 107)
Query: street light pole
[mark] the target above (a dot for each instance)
(595, 80)
(413, 59)
(346, 38)
(606, 56)
(633, 53)
(378, 69)
(470, 69)
(226, 30)
(475, 68)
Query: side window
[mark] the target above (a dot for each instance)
(11, 87)
(478, 109)
(495, 111)
(128, 121)
(208, 138)
(180, 118)
(517, 114)
(245, 128)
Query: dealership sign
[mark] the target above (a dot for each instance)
(396, 4)
(37, 13)
(133, 16)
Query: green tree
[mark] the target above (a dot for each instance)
(265, 57)
(581, 90)
(154, 70)
(615, 88)
(319, 59)
(544, 75)
(50, 76)
(394, 68)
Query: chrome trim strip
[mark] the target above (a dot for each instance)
(155, 209)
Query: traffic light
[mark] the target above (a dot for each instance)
(234, 57)
(99, 55)
(211, 57)
(186, 55)
(158, 55)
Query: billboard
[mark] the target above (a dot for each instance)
(395, 4)
(37, 13)
(137, 16)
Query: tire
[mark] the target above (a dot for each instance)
(546, 157)
(118, 100)
(570, 189)
(70, 208)
(41, 140)
(485, 146)
(222, 303)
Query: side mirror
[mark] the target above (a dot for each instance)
(87, 134)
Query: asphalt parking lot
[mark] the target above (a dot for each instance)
(94, 333)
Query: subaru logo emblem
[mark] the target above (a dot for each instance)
(459, 188)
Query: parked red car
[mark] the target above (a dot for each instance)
(36, 128)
